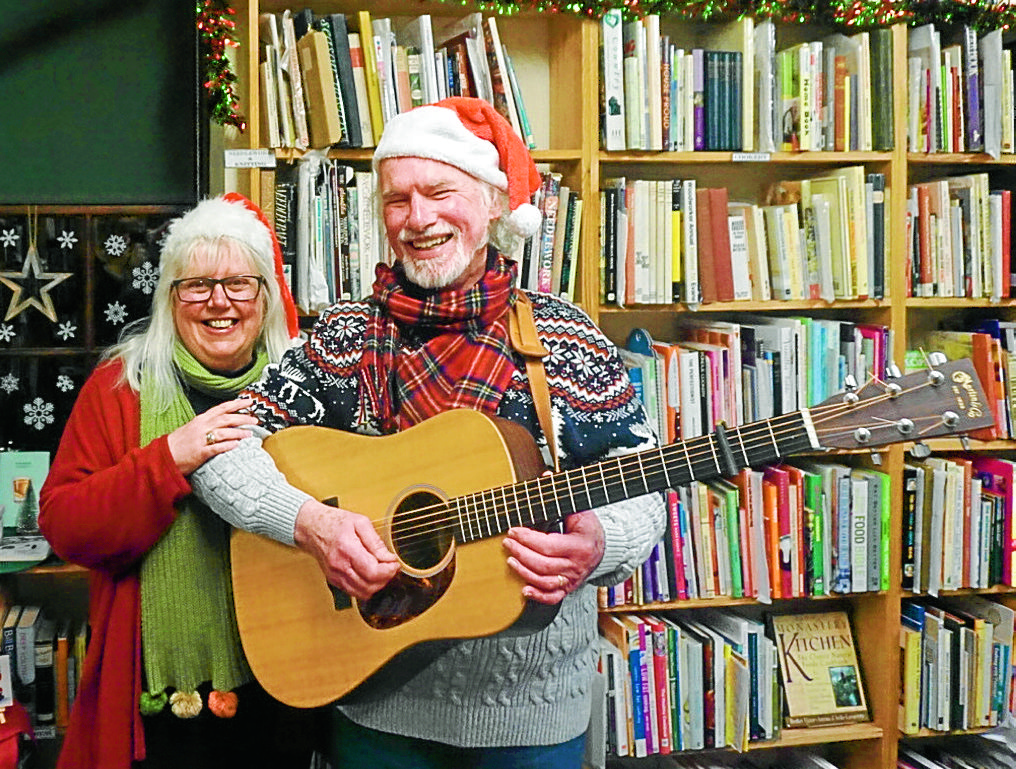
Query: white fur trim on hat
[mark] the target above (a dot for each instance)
(437, 133)
(525, 220)
(217, 218)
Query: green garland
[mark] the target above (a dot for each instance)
(982, 14)
(218, 30)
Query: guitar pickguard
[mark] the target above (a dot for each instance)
(405, 597)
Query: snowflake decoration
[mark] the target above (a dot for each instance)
(6, 332)
(64, 383)
(38, 413)
(66, 331)
(115, 245)
(116, 313)
(145, 277)
(9, 238)
(67, 239)
(8, 383)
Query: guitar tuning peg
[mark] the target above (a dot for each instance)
(937, 359)
(920, 450)
(965, 442)
(892, 371)
(850, 390)
(876, 459)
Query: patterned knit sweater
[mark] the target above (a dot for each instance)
(501, 690)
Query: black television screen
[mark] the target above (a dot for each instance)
(99, 103)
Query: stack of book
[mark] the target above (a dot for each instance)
(716, 677)
(45, 658)
(733, 88)
(335, 80)
(961, 91)
(672, 240)
(955, 664)
(743, 372)
(788, 531)
(958, 238)
(548, 261)
(958, 523)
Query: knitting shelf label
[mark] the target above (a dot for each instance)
(750, 157)
(259, 158)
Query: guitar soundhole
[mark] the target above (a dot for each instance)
(421, 538)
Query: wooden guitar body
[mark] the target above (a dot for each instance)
(309, 645)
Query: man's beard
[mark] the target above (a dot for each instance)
(441, 271)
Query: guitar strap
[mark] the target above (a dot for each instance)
(526, 342)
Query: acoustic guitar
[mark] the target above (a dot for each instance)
(443, 493)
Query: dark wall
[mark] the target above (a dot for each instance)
(99, 102)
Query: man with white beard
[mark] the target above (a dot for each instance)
(453, 181)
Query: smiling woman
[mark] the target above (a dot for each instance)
(219, 326)
(117, 500)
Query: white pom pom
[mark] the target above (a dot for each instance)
(525, 220)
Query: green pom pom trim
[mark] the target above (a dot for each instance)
(152, 704)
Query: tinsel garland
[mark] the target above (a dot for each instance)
(217, 29)
(217, 32)
(981, 14)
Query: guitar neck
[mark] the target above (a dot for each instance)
(553, 497)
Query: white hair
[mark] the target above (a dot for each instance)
(216, 229)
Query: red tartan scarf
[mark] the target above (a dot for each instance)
(464, 361)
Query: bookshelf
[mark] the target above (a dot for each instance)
(559, 58)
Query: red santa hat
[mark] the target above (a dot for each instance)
(472, 136)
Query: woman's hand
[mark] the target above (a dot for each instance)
(217, 430)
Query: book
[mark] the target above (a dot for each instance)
(22, 474)
(24, 645)
(319, 87)
(63, 674)
(910, 676)
(612, 104)
(8, 646)
(818, 665)
(358, 64)
(45, 683)
(345, 78)
(371, 77)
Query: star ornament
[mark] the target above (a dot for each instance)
(31, 288)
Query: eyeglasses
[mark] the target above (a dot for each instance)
(239, 288)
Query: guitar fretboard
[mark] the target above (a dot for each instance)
(552, 497)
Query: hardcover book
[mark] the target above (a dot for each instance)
(818, 667)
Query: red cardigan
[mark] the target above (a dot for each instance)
(104, 505)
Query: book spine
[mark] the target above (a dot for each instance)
(698, 98)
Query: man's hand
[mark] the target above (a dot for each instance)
(554, 565)
(347, 547)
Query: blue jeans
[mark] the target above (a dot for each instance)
(353, 746)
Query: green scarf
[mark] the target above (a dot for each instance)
(188, 627)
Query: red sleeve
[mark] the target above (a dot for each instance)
(106, 501)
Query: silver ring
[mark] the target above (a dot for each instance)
(210, 437)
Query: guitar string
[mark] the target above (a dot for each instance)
(755, 435)
(436, 513)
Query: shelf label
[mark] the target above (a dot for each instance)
(750, 157)
(261, 158)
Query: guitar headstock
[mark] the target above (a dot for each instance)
(945, 400)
